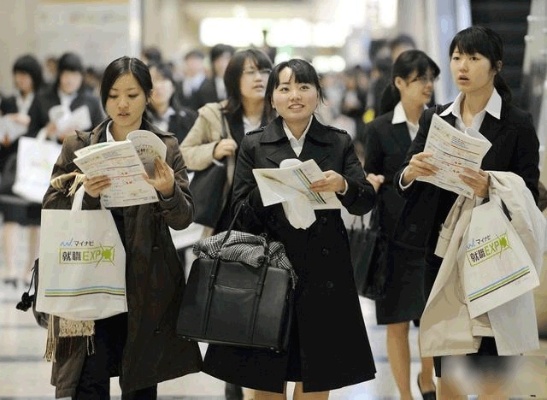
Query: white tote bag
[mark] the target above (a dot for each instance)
(35, 160)
(82, 264)
(497, 267)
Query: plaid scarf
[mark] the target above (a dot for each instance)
(247, 248)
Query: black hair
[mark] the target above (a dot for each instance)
(152, 54)
(122, 66)
(219, 49)
(28, 64)
(302, 71)
(195, 53)
(485, 41)
(402, 39)
(405, 65)
(234, 71)
(69, 61)
(165, 70)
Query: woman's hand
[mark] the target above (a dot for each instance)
(94, 186)
(164, 178)
(418, 166)
(479, 181)
(19, 118)
(376, 181)
(333, 182)
(226, 147)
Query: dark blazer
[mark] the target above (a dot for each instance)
(181, 123)
(334, 346)
(207, 93)
(515, 148)
(50, 98)
(386, 145)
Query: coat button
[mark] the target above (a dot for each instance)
(324, 220)
(325, 252)
(329, 285)
(155, 248)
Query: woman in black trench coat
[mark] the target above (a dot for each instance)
(329, 347)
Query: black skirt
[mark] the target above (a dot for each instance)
(405, 299)
(21, 211)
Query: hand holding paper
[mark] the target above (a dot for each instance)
(290, 185)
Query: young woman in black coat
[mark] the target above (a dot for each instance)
(328, 346)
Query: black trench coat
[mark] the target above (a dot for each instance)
(334, 346)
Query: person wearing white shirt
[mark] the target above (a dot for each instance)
(387, 139)
(484, 102)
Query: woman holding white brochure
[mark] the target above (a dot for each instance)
(140, 346)
(328, 346)
(484, 103)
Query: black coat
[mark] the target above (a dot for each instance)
(334, 346)
(515, 148)
(181, 123)
(50, 98)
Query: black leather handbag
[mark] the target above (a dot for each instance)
(207, 188)
(234, 303)
(368, 248)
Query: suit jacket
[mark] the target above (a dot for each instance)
(50, 98)
(181, 123)
(515, 148)
(386, 145)
(334, 346)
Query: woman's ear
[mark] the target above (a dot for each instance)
(499, 64)
(398, 82)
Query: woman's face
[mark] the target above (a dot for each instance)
(23, 82)
(252, 83)
(126, 102)
(70, 81)
(295, 102)
(416, 89)
(163, 88)
(472, 73)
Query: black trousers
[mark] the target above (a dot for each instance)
(94, 384)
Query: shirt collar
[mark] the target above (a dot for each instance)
(399, 115)
(291, 136)
(493, 107)
(109, 137)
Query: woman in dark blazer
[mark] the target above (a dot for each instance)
(167, 114)
(70, 91)
(484, 103)
(328, 347)
(387, 139)
(18, 212)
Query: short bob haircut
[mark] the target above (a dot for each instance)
(28, 64)
(122, 66)
(482, 40)
(234, 71)
(302, 71)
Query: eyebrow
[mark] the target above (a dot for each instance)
(127, 90)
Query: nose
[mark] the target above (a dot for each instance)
(123, 102)
(294, 95)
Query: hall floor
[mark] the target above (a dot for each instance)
(24, 374)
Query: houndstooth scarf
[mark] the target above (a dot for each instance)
(247, 248)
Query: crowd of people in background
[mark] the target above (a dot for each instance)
(210, 105)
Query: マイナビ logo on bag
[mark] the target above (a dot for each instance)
(85, 252)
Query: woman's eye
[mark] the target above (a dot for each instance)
(132, 96)
(111, 96)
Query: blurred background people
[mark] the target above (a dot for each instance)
(213, 89)
(194, 74)
(166, 113)
(19, 213)
(70, 92)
